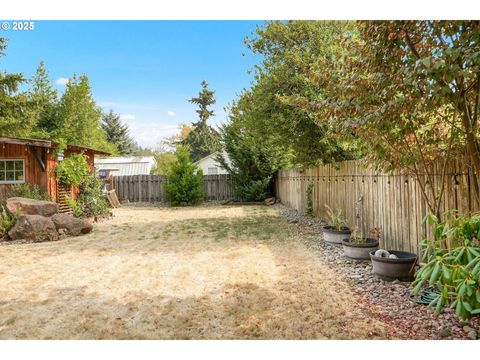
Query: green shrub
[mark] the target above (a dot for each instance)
(77, 209)
(29, 191)
(451, 262)
(7, 220)
(184, 185)
(253, 190)
(252, 162)
(72, 170)
(91, 200)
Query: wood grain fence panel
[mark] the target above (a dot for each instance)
(392, 202)
(151, 188)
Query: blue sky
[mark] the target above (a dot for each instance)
(143, 70)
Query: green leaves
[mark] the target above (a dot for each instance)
(454, 272)
(91, 200)
(435, 273)
(72, 170)
(184, 180)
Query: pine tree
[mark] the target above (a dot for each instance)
(203, 139)
(118, 133)
(16, 118)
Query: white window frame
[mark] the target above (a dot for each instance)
(212, 168)
(8, 182)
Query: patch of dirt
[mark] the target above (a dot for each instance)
(208, 272)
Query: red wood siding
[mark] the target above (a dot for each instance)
(34, 175)
(33, 171)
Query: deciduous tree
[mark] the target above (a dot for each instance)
(78, 118)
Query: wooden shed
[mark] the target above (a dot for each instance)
(33, 161)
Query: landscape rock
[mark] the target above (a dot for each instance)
(467, 328)
(23, 206)
(70, 225)
(445, 331)
(472, 335)
(36, 228)
(269, 201)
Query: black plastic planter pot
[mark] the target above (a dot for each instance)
(333, 236)
(388, 269)
(359, 251)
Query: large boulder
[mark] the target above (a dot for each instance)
(36, 228)
(24, 206)
(70, 225)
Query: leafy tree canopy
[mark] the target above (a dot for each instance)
(408, 90)
(78, 119)
(287, 47)
(252, 163)
(38, 112)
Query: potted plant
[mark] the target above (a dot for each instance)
(358, 246)
(337, 230)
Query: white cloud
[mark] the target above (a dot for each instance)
(126, 117)
(62, 81)
(170, 113)
(150, 134)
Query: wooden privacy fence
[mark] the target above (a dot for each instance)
(393, 203)
(151, 188)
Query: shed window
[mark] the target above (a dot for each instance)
(12, 171)
(212, 171)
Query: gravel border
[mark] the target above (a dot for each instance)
(389, 302)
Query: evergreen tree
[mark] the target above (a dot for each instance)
(16, 118)
(203, 139)
(118, 133)
(184, 180)
(253, 163)
(44, 100)
(78, 119)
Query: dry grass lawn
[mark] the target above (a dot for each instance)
(209, 272)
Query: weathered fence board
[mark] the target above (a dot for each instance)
(393, 203)
(151, 188)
